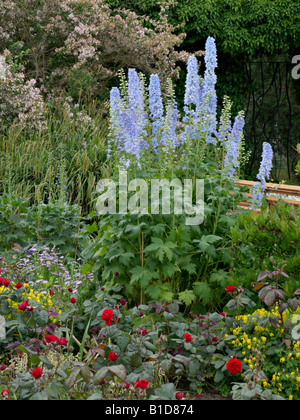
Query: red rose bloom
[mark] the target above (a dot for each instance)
(127, 385)
(73, 300)
(6, 283)
(188, 338)
(144, 333)
(112, 356)
(179, 395)
(230, 289)
(142, 383)
(37, 373)
(51, 293)
(63, 341)
(24, 305)
(223, 313)
(123, 302)
(19, 285)
(214, 339)
(234, 366)
(5, 393)
(50, 339)
(107, 316)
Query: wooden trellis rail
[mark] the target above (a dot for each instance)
(280, 189)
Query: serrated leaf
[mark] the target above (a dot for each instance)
(203, 291)
(187, 297)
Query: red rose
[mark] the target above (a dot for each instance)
(142, 383)
(223, 313)
(230, 289)
(127, 385)
(73, 300)
(70, 289)
(144, 333)
(188, 338)
(214, 339)
(50, 339)
(123, 302)
(24, 305)
(179, 395)
(112, 356)
(234, 366)
(63, 341)
(19, 285)
(37, 373)
(51, 293)
(107, 316)
(5, 393)
(6, 283)
(2, 367)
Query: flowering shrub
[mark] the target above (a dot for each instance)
(21, 101)
(88, 42)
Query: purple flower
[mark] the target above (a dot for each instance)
(259, 188)
(233, 146)
(208, 106)
(156, 108)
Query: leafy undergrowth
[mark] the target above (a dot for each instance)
(72, 339)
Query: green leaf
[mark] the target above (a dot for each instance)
(187, 297)
(142, 276)
(203, 291)
(41, 317)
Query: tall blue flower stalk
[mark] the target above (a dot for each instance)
(259, 188)
(191, 100)
(116, 135)
(233, 146)
(208, 95)
(136, 118)
(156, 109)
(169, 137)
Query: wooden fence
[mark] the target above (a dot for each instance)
(287, 193)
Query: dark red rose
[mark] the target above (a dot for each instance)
(179, 395)
(24, 305)
(112, 356)
(234, 366)
(230, 289)
(188, 338)
(142, 383)
(37, 373)
(107, 316)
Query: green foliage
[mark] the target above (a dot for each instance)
(271, 237)
(250, 27)
(55, 225)
(159, 257)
